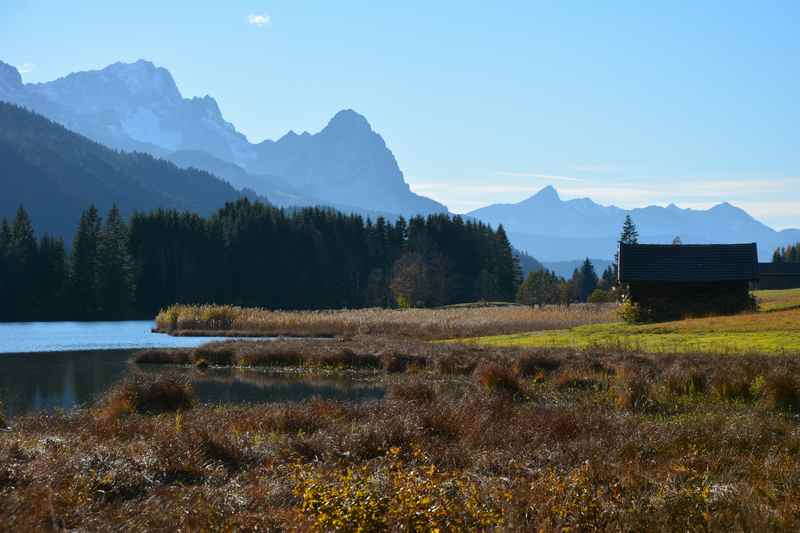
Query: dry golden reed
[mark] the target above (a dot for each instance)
(419, 323)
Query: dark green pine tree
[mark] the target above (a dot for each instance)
(607, 280)
(587, 282)
(629, 235)
(83, 277)
(114, 277)
(52, 275)
(508, 275)
(6, 309)
(22, 263)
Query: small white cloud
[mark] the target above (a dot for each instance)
(26, 68)
(259, 20)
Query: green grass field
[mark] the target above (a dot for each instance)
(775, 329)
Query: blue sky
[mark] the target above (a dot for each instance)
(630, 103)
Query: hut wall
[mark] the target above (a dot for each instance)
(779, 281)
(676, 300)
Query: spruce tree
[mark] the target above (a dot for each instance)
(628, 235)
(508, 275)
(6, 308)
(52, 275)
(114, 276)
(84, 266)
(22, 262)
(587, 281)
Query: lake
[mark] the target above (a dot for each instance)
(64, 365)
(31, 337)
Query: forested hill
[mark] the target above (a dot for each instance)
(55, 173)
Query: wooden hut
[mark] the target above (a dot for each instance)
(779, 275)
(668, 281)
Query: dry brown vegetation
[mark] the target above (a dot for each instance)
(446, 323)
(467, 438)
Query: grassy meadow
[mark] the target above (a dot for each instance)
(774, 329)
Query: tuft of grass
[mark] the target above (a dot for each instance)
(413, 392)
(632, 390)
(396, 363)
(782, 391)
(280, 357)
(498, 379)
(216, 356)
(530, 365)
(148, 396)
(218, 448)
(574, 379)
(682, 380)
(731, 384)
(163, 356)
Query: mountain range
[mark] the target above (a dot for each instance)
(56, 173)
(553, 229)
(137, 107)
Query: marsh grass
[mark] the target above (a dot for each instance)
(781, 390)
(668, 442)
(498, 379)
(417, 323)
(147, 395)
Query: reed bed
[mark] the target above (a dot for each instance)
(528, 441)
(417, 323)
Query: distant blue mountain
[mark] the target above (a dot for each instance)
(137, 106)
(552, 229)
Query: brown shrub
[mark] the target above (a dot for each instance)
(782, 391)
(280, 357)
(455, 365)
(731, 384)
(498, 379)
(214, 356)
(148, 396)
(529, 365)
(580, 380)
(163, 356)
(682, 381)
(346, 358)
(632, 391)
(413, 392)
(216, 448)
(395, 363)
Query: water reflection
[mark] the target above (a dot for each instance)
(65, 380)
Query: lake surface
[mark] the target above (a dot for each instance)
(30, 337)
(63, 365)
(65, 380)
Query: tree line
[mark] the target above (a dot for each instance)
(251, 254)
(543, 287)
(789, 254)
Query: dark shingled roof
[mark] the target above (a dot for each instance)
(688, 262)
